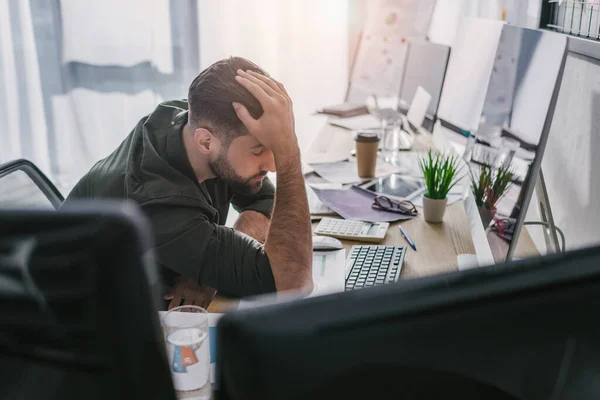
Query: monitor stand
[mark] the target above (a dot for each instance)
(466, 261)
(483, 254)
(545, 211)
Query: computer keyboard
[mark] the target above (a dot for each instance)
(373, 265)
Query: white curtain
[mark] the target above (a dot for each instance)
(302, 43)
(72, 88)
(23, 130)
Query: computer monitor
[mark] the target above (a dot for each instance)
(79, 294)
(426, 67)
(515, 123)
(515, 114)
(468, 72)
(521, 330)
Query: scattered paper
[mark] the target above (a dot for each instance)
(346, 172)
(356, 123)
(356, 204)
(315, 205)
(331, 145)
(328, 271)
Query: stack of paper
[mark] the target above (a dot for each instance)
(356, 123)
(345, 172)
(315, 205)
(356, 204)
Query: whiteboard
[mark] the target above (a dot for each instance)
(379, 64)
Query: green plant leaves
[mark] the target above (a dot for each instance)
(491, 185)
(440, 174)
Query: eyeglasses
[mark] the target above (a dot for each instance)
(504, 227)
(400, 207)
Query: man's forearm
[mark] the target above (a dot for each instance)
(289, 241)
(253, 224)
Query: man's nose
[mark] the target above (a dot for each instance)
(268, 162)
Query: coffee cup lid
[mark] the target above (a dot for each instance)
(366, 136)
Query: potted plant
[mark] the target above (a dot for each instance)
(488, 188)
(440, 174)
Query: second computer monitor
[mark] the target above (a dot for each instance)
(425, 67)
(513, 127)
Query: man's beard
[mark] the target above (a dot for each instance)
(238, 184)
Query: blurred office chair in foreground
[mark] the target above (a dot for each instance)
(521, 330)
(24, 186)
(77, 308)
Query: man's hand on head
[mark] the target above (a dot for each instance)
(275, 128)
(191, 293)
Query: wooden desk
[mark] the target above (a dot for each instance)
(437, 247)
(437, 244)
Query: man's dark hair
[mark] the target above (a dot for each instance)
(211, 94)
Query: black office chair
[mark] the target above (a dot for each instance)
(78, 305)
(24, 186)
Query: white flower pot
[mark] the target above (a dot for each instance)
(433, 210)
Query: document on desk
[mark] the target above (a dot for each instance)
(315, 205)
(356, 123)
(346, 172)
(356, 204)
(213, 319)
(328, 272)
(332, 145)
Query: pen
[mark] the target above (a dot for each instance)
(408, 239)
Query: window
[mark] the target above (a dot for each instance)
(572, 17)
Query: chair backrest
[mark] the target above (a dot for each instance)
(79, 294)
(24, 186)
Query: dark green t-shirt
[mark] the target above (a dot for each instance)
(151, 168)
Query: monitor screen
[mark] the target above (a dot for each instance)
(468, 72)
(425, 67)
(502, 332)
(513, 128)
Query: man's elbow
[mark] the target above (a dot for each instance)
(301, 283)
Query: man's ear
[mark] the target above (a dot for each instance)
(205, 142)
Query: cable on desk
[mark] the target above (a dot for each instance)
(562, 235)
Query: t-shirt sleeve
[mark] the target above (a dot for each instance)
(262, 201)
(213, 255)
